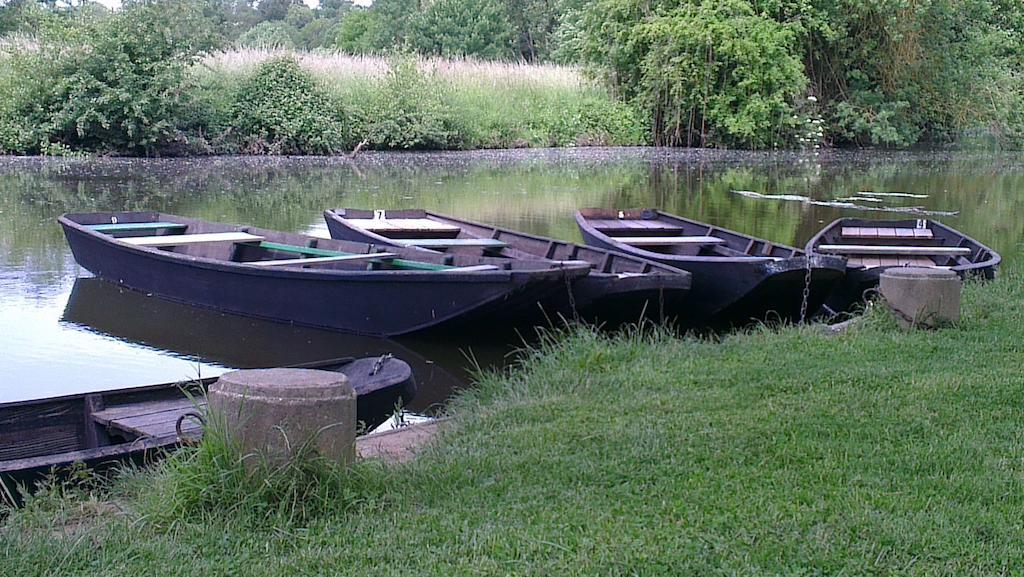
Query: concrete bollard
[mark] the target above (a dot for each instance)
(922, 297)
(275, 413)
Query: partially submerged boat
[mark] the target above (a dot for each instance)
(620, 288)
(872, 246)
(339, 285)
(737, 278)
(103, 429)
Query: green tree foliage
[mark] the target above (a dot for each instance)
(489, 29)
(268, 34)
(735, 72)
(117, 83)
(479, 28)
(282, 110)
(361, 32)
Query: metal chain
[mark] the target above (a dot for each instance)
(807, 289)
(379, 364)
(572, 298)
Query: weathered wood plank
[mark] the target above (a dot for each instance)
(109, 414)
(668, 240)
(136, 226)
(183, 239)
(43, 440)
(401, 224)
(475, 268)
(452, 242)
(885, 233)
(905, 250)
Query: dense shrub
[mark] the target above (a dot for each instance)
(407, 111)
(117, 84)
(282, 110)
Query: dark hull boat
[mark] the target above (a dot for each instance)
(132, 425)
(338, 285)
(737, 278)
(235, 341)
(872, 246)
(619, 289)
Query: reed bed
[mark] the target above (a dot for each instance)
(338, 67)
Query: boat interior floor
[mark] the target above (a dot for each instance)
(151, 419)
(872, 247)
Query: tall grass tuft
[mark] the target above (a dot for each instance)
(217, 480)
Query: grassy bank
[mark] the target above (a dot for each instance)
(774, 452)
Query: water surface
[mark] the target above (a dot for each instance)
(62, 332)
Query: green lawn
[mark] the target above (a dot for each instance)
(787, 452)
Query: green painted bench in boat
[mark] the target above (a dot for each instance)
(668, 240)
(319, 259)
(452, 242)
(136, 226)
(897, 250)
(311, 251)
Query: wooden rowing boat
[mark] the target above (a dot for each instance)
(736, 277)
(132, 425)
(339, 285)
(619, 289)
(872, 246)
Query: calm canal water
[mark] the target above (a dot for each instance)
(63, 332)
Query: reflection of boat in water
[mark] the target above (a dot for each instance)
(104, 428)
(243, 342)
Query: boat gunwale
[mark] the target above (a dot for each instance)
(500, 275)
(338, 215)
(582, 222)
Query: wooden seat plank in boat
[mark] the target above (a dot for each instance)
(150, 419)
(182, 239)
(137, 226)
(893, 250)
(319, 259)
(475, 268)
(668, 240)
(402, 224)
(452, 242)
(870, 262)
(638, 224)
(859, 232)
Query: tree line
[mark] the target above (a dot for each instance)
(730, 73)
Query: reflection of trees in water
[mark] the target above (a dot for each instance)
(536, 193)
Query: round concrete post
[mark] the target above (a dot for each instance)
(922, 297)
(279, 414)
